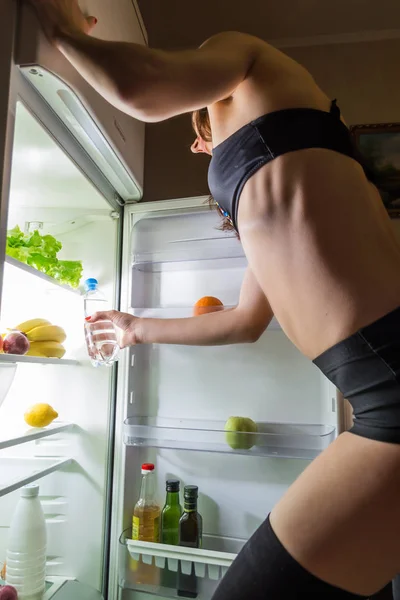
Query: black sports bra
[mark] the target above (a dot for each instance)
(238, 157)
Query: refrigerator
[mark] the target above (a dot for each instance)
(71, 166)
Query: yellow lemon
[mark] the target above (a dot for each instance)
(40, 415)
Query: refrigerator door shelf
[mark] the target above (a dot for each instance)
(168, 557)
(280, 440)
(209, 563)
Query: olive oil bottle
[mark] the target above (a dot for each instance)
(170, 516)
(190, 535)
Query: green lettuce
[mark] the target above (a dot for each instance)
(40, 252)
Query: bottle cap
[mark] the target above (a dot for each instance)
(191, 492)
(30, 491)
(91, 284)
(147, 468)
(173, 485)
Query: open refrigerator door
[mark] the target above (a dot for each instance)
(173, 403)
(61, 222)
(51, 200)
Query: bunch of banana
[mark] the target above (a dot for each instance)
(45, 339)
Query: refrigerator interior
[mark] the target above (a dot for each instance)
(69, 459)
(174, 258)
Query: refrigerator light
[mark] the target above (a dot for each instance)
(76, 117)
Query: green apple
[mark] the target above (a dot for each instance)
(234, 436)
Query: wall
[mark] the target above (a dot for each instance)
(362, 76)
(170, 169)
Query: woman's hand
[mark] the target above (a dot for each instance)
(62, 17)
(127, 326)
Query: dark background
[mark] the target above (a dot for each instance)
(350, 46)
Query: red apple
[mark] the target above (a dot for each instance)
(1, 343)
(8, 593)
(15, 342)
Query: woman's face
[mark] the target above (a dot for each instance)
(199, 146)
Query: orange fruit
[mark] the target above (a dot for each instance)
(207, 304)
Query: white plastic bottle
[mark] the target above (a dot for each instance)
(26, 551)
(101, 338)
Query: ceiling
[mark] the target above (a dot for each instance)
(185, 23)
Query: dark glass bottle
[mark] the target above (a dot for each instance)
(171, 514)
(190, 535)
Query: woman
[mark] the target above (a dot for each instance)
(322, 258)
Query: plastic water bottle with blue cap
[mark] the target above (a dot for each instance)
(101, 337)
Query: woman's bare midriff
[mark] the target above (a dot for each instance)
(314, 229)
(321, 245)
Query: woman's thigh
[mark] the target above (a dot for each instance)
(341, 518)
(334, 535)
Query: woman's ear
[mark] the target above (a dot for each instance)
(91, 23)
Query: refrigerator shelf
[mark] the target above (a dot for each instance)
(190, 251)
(35, 273)
(172, 261)
(17, 472)
(65, 588)
(17, 358)
(7, 439)
(281, 440)
(53, 585)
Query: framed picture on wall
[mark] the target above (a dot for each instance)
(379, 145)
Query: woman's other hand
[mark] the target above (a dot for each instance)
(59, 17)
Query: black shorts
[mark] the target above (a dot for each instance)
(264, 570)
(366, 368)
